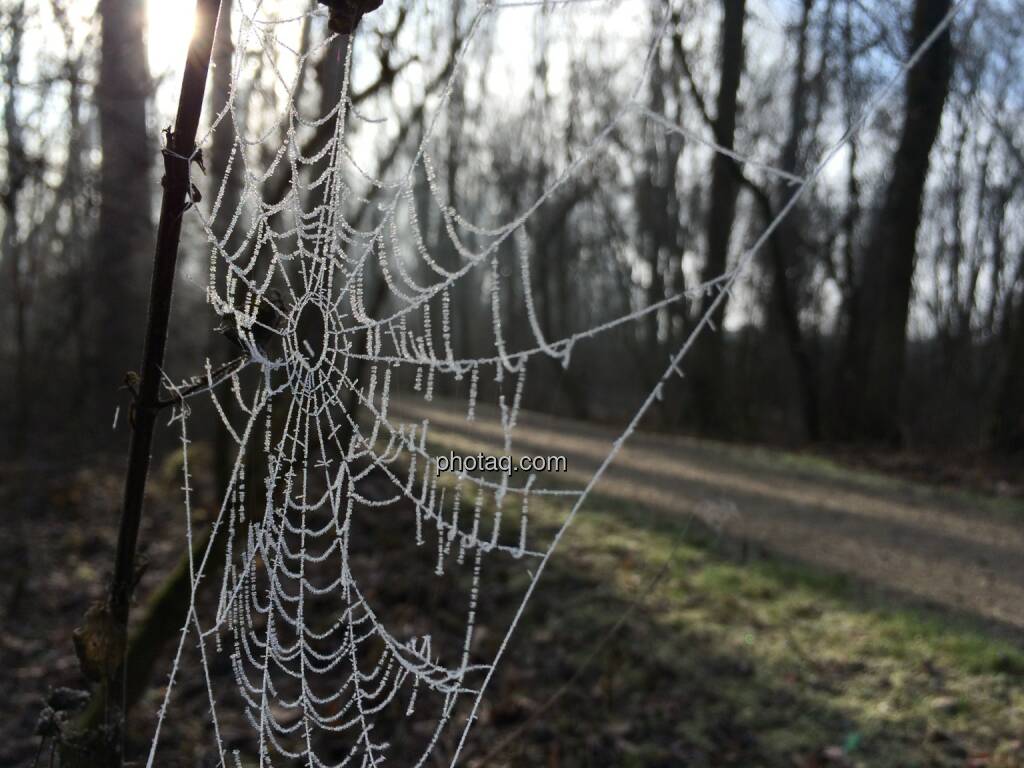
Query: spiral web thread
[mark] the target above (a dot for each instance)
(314, 664)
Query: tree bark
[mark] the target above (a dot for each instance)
(709, 375)
(784, 248)
(658, 236)
(16, 173)
(224, 137)
(1008, 422)
(101, 640)
(877, 334)
(124, 234)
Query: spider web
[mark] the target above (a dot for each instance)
(321, 669)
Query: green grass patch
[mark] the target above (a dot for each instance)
(853, 677)
(748, 661)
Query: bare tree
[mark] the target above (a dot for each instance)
(124, 236)
(658, 235)
(784, 249)
(709, 370)
(17, 174)
(877, 327)
(224, 171)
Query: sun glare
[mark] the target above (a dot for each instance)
(170, 29)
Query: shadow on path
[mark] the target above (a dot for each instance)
(937, 548)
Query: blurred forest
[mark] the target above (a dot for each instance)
(883, 313)
(888, 308)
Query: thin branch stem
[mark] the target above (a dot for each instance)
(178, 157)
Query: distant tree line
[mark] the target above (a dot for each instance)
(888, 306)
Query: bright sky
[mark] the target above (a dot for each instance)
(626, 27)
(170, 29)
(171, 25)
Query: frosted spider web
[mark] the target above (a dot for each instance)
(318, 670)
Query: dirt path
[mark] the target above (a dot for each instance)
(931, 545)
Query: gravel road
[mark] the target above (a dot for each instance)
(959, 552)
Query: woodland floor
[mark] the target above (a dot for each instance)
(932, 544)
(812, 616)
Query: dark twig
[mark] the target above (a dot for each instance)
(201, 384)
(179, 154)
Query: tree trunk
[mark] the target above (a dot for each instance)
(1008, 424)
(709, 374)
(124, 237)
(658, 239)
(100, 641)
(224, 137)
(784, 248)
(877, 334)
(13, 251)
